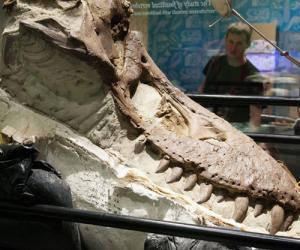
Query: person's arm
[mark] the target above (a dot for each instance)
(255, 117)
(297, 123)
(206, 71)
(256, 110)
(201, 86)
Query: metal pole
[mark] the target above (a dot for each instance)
(230, 100)
(289, 139)
(282, 52)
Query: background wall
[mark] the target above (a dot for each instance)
(181, 43)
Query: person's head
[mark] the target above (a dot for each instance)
(237, 40)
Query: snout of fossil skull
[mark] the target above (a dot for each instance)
(151, 105)
(224, 208)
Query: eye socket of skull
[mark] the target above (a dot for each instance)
(119, 27)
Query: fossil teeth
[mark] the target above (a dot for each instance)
(163, 165)
(259, 208)
(175, 175)
(206, 191)
(240, 208)
(277, 217)
(140, 144)
(287, 222)
(190, 182)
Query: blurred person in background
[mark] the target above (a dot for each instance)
(228, 73)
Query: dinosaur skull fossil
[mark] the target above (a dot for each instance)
(79, 63)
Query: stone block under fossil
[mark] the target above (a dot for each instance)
(126, 140)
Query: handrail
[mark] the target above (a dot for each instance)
(237, 100)
(274, 138)
(147, 225)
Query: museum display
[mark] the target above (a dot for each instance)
(78, 82)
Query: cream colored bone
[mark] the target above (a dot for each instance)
(241, 208)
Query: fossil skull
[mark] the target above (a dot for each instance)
(68, 59)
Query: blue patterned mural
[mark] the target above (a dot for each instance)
(181, 43)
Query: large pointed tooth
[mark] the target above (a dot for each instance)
(277, 217)
(175, 175)
(140, 144)
(287, 222)
(206, 191)
(259, 208)
(194, 193)
(163, 165)
(190, 182)
(240, 208)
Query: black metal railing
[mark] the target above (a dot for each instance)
(232, 100)
(221, 235)
(274, 138)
